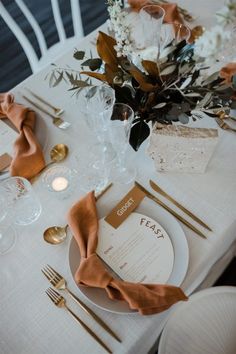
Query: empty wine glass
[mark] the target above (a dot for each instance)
(97, 104)
(175, 32)
(151, 17)
(122, 119)
(7, 232)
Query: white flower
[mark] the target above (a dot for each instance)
(211, 43)
(227, 14)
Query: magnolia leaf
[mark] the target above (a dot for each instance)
(110, 74)
(144, 85)
(186, 82)
(93, 64)
(199, 114)
(98, 76)
(168, 70)
(151, 68)
(160, 105)
(79, 55)
(183, 118)
(184, 69)
(139, 132)
(106, 51)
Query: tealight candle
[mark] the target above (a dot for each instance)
(59, 184)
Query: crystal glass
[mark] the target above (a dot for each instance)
(97, 104)
(60, 180)
(24, 202)
(175, 32)
(122, 119)
(151, 17)
(7, 232)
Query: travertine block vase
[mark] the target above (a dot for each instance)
(181, 148)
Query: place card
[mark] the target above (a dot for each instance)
(138, 251)
(125, 207)
(7, 138)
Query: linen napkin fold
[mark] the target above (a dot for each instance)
(227, 72)
(171, 10)
(146, 298)
(28, 157)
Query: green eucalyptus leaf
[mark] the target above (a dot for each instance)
(183, 118)
(93, 64)
(79, 55)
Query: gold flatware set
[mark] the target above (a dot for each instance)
(57, 121)
(170, 210)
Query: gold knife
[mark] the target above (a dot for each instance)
(179, 217)
(186, 211)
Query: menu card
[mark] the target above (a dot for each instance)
(7, 139)
(139, 250)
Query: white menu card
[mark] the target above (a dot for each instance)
(139, 250)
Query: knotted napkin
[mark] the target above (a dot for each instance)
(227, 72)
(145, 298)
(28, 157)
(171, 10)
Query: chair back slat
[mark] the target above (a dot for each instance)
(58, 20)
(35, 26)
(21, 37)
(76, 18)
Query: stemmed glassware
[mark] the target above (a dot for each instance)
(122, 119)
(151, 17)
(7, 232)
(175, 32)
(97, 105)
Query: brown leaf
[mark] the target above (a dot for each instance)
(144, 85)
(110, 74)
(151, 68)
(106, 51)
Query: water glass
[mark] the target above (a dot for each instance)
(175, 32)
(122, 120)
(97, 104)
(7, 232)
(24, 203)
(151, 17)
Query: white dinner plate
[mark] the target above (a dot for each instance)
(205, 323)
(41, 135)
(180, 246)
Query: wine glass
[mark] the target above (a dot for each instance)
(175, 32)
(122, 119)
(97, 104)
(7, 232)
(151, 17)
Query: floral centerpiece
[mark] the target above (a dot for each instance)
(166, 90)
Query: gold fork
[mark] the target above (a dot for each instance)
(57, 121)
(56, 110)
(60, 283)
(60, 301)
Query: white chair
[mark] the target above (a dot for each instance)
(48, 55)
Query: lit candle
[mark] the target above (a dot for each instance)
(59, 184)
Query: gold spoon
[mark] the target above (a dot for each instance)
(57, 234)
(58, 153)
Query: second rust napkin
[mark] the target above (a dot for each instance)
(148, 299)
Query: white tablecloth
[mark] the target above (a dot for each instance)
(29, 322)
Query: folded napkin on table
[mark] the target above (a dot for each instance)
(146, 298)
(28, 157)
(227, 72)
(171, 10)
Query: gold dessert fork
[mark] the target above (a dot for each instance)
(57, 121)
(60, 283)
(60, 301)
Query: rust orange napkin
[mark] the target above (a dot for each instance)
(146, 298)
(227, 72)
(28, 157)
(171, 10)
